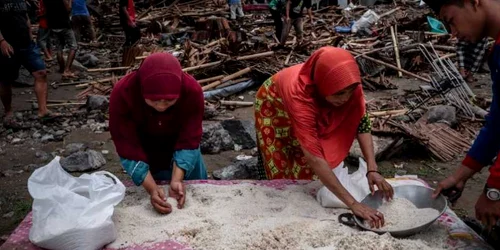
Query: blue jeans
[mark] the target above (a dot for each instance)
(28, 57)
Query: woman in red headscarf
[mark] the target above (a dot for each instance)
(307, 117)
(155, 120)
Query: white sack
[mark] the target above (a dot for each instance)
(73, 212)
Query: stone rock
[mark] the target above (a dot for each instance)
(10, 173)
(16, 141)
(242, 132)
(442, 114)
(97, 102)
(78, 66)
(74, 147)
(210, 112)
(30, 167)
(47, 138)
(380, 145)
(89, 60)
(19, 115)
(25, 77)
(215, 139)
(99, 127)
(83, 161)
(246, 169)
(8, 215)
(96, 144)
(60, 132)
(42, 155)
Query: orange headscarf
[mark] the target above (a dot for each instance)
(322, 129)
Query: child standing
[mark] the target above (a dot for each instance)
(81, 22)
(43, 35)
(236, 8)
(58, 12)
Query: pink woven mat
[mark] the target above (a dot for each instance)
(19, 239)
(461, 236)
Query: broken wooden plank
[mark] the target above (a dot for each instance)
(236, 103)
(211, 79)
(396, 50)
(227, 78)
(392, 67)
(107, 69)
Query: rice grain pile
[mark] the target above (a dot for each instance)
(402, 214)
(247, 216)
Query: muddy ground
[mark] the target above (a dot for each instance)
(15, 201)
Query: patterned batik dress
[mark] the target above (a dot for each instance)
(280, 154)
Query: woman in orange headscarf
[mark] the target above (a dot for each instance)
(307, 117)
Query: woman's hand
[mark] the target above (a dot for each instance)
(159, 201)
(374, 217)
(177, 191)
(375, 179)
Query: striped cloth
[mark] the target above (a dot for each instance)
(470, 55)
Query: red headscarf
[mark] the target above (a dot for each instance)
(322, 129)
(134, 125)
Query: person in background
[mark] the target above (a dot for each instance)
(43, 35)
(81, 21)
(470, 57)
(18, 48)
(307, 117)
(277, 7)
(472, 21)
(236, 9)
(58, 12)
(294, 16)
(155, 120)
(127, 20)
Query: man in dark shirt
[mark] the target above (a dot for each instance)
(127, 20)
(293, 16)
(472, 21)
(18, 48)
(58, 12)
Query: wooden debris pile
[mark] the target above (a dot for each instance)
(221, 53)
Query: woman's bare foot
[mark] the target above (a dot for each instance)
(68, 75)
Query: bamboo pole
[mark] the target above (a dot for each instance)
(236, 103)
(206, 65)
(107, 69)
(259, 55)
(392, 67)
(240, 58)
(388, 112)
(390, 12)
(396, 50)
(211, 79)
(65, 104)
(227, 78)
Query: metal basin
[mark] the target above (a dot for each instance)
(420, 196)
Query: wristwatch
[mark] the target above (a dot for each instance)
(492, 193)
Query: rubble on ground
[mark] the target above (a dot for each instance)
(229, 58)
(83, 161)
